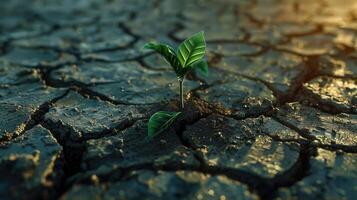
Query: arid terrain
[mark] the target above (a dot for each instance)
(276, 118)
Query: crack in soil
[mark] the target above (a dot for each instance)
(315, 142)
(297, 172)
(172, 34)
(35, 118)
(72, 155)
(311, 71)
(303, 133)
(315, 101)
(196, 109)
(79, 87)
(319, 28)
(265, 188)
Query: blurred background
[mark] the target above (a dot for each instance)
(280, 32)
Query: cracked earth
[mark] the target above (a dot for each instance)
(276, 118)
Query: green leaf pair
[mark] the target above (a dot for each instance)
(188, 55)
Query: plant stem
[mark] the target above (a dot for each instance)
(181, 93)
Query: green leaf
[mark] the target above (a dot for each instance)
(201, 67)
(161, 121)
(167, 52)
(183, 71)
(192, 49)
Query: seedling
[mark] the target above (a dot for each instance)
(161, 121)
(187, 57)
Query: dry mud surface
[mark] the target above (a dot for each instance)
(275, 119)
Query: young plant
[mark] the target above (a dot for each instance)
(187, 57)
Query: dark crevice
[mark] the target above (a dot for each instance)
(94, 20)
(81, 88)
(172, 34)
(297, 172)
(6, 44)
(35, 118)
(45, 76)
(303, 133)
(338, 147)
(127, 123)
(287, 140)
(269, 85)
(311, 71)
(262, 186)
(276, 93)
(108, 49)
(266, 188)
(343, 77)
(224, 41)
(127, 30)
(69, 134)
(87, 93)
(213, 61)
(297, 92)
(39, 114)
(77, 53)
(58, 174)
(330, 147)
(253, 112)
(73, 148)
(72, 154)
(128, 59)
(262, 50)
(254, 182)
(317, 29)
(281, 49)
(180, 128)
(314, 141)
(129, 45)
(263, 47)
(4, 47)
(205, 86)
(258, 22)
(330, 107)
(132, 15)
(345, 51)
(72, 51)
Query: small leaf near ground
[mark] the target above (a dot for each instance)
(192, 49)
(161, 121)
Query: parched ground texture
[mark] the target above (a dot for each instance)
(276, 118)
